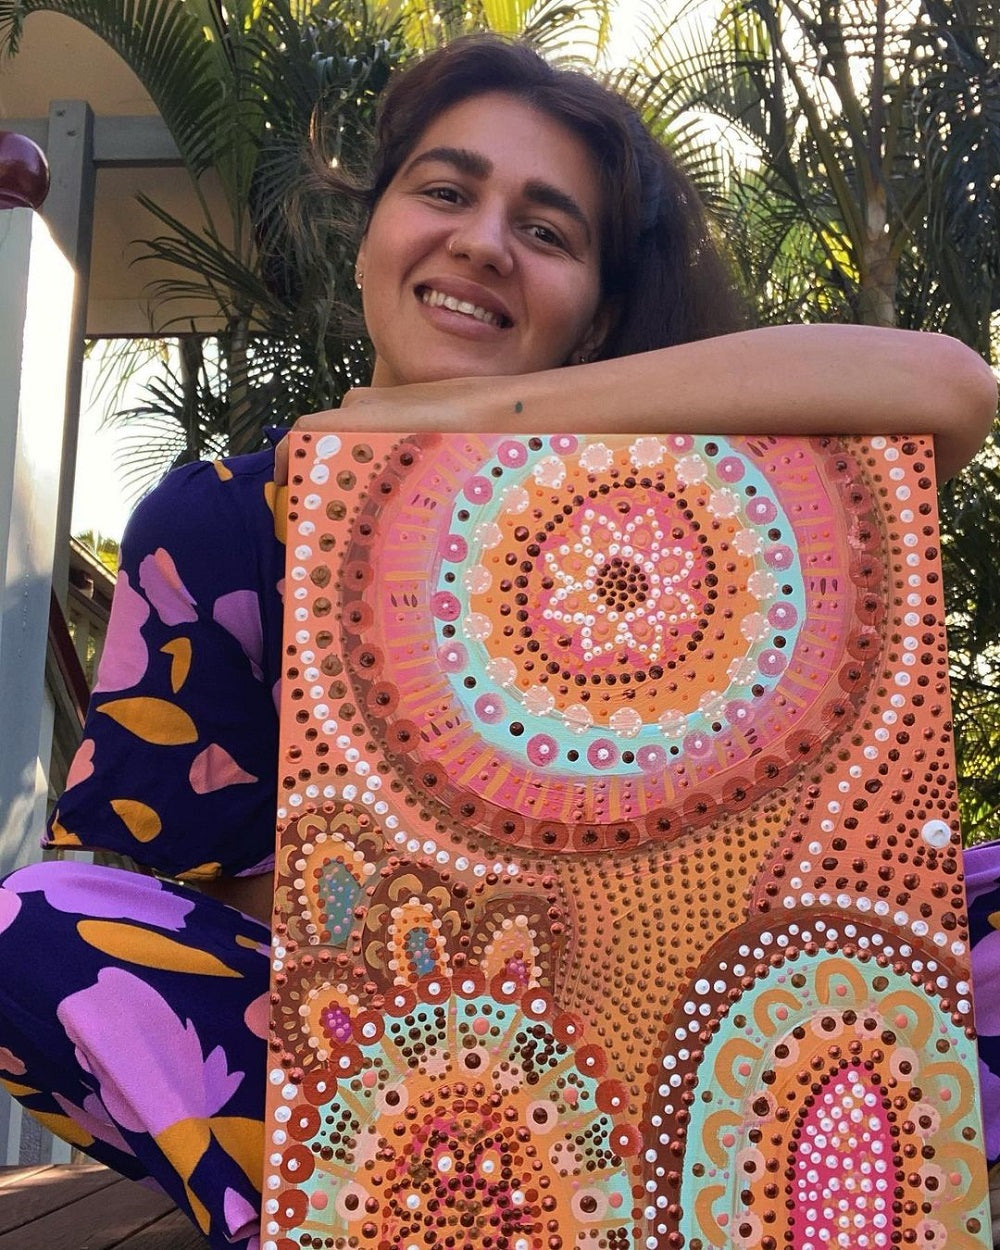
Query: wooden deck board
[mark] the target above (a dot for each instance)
(87, 1207)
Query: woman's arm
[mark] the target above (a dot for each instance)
(779, 380)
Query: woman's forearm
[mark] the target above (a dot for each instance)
(780, 380)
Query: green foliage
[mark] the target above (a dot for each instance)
(106, 549)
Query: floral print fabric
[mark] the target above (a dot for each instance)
(177, 763)
(141, 1036)
(141, 1039)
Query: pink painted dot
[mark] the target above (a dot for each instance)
(489, 708)
(680, 442)
(728, 1139)
(722, 1219)
(955, 1178)
(744, 1069)
(563, 444)
(945, 1095)
(698, 745)
(480, 1026)
(454, 548)
(739, 712)
(318, 1199)
(841, 991)
(571, 1095)
(615, 1199)
(602, 753)
(445, 606)
(512, 454)
(478, 489)
(781, 1013)
(901, 1021)
(542, 750)
(651, 759)
(369, 1079)
(761, 511)
(771, 662)
(452, 657)
(782, 615)
(779, 556)
(731, 469)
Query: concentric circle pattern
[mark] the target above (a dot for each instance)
(459, 1099)
(613, 637)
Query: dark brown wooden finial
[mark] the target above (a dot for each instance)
(24, 172)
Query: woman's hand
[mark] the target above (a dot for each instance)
(451, 405)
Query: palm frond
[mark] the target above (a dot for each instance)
(165, 45)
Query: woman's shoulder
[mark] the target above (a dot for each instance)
(207, 500)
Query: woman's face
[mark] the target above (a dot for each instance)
(482, 256)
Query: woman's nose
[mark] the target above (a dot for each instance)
(483, 239)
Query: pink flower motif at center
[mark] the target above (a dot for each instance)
(622, 584)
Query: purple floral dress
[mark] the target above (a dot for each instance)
(141, 1036)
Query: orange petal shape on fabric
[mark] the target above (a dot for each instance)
(150, 950)
(59, 835)
(179, 650)
(243, 1140)
(223, 470)
(152, 720)
(62, 1126)
(214, 769)
(16, 1090)
(138, 818)
(276, 498)
(183, 1144)
(201, 872)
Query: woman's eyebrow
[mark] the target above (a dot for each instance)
(476, 165)
(466, 162)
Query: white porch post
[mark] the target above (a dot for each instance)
(36, 322)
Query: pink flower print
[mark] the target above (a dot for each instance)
(101, 893)
(10, 905)
(125, 657)
(94, 1119)
(9, 1062)
(167, 1078)
(239, 614)
(164, 589)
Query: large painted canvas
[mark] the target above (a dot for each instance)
(619, 895)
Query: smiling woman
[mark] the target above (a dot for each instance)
(482, 255)
(531, 260)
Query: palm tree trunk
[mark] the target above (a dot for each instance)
(878, 265)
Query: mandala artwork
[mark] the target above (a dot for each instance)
(619, 895)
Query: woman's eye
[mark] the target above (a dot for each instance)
(447, 195)
(545, 234)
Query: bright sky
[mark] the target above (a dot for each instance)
(100, 502)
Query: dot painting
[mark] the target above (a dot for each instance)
(619, 898)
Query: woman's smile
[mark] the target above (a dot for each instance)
(482, 256)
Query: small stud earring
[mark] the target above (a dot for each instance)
(582, 358)
(359, 279)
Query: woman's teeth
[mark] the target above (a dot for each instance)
(437, 299)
